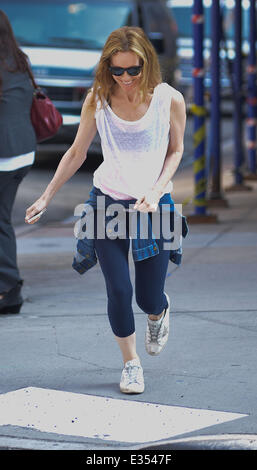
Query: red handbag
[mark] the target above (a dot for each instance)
(45, 118)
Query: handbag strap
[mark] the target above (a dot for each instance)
(32, 78)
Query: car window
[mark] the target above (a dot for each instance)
(61, 23)
(159, 25)
(154, 17)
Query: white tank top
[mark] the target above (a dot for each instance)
(133, 151)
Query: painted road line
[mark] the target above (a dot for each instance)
(109, 419)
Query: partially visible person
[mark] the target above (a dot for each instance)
(17, 154)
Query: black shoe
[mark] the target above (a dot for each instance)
(12, 300)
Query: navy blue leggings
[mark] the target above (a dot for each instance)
(150, 277)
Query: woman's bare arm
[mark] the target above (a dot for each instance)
(70, 162)
(176, 144)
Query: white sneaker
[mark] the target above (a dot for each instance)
(132, 379)
(157, 332)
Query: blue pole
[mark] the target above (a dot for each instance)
(252, 92)
(239, 157)
(215, 100)
(198, 110)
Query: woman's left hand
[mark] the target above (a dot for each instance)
(148, 202)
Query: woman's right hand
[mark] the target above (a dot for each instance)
(33, 210)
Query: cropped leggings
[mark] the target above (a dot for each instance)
(150, 275)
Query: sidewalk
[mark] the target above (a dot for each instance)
(62, 365)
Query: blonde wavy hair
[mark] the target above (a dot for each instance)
(126, 39)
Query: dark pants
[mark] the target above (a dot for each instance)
(9, 272)
(150, 275)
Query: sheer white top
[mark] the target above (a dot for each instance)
(133, 151)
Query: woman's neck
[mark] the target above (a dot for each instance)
(131, 96)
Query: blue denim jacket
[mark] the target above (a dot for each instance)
(142, 248)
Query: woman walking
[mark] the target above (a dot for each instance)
(17, 153)
(141, 124)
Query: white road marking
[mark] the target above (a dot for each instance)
(92, 416)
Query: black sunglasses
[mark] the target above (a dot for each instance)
(133, 71)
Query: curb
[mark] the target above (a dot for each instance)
(214, 442)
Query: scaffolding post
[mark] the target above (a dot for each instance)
(252, 96)
(238, 97)
(198, 110)
(215, 196)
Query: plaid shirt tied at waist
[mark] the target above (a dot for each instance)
(142, 248)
